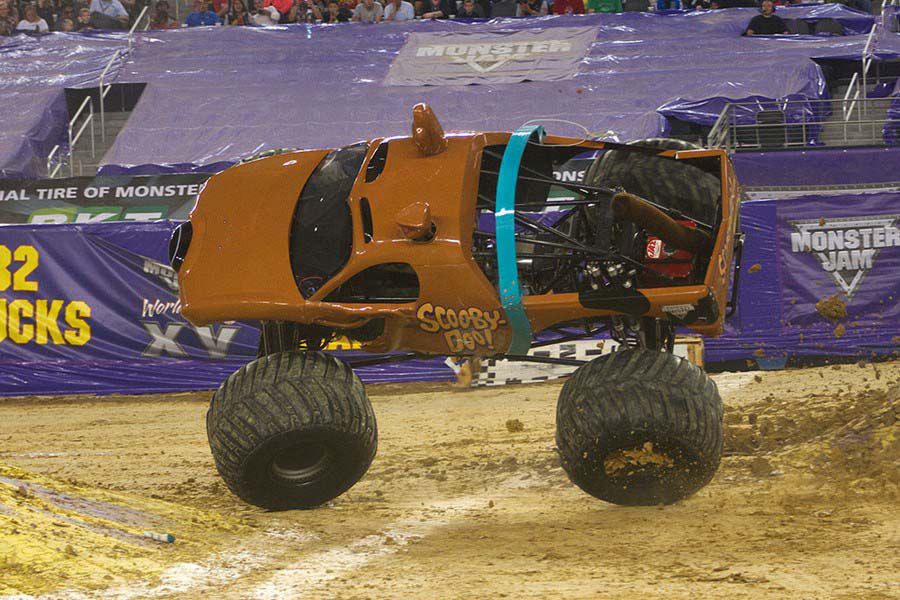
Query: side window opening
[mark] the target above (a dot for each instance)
(365, 212)
(377, 162)
(390, 283)
(538, 162)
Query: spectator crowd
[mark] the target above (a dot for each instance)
(67, 15)
(78, 15)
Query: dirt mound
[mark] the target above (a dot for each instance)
(865, 452)
(851, 439)
(54, 532)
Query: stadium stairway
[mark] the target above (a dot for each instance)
(870, 132)
(84, 161)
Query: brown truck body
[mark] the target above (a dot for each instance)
(238, 264)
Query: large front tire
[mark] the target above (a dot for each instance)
(639, 427)
(292, 430)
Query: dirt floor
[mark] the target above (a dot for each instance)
(458, 505)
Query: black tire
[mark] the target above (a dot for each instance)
(291, 430)
(676, 185)
(639, 427)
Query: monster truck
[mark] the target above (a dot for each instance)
(455, 245)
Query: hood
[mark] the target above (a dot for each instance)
(239, 246)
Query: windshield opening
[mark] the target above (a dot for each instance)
(322, 228)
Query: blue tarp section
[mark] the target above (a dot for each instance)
(217, 94)
(99, 313)
(640, 63)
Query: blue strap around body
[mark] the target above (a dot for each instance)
(505, 228)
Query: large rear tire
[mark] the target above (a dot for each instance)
(292, 430)
(639, 427)
(672, 184)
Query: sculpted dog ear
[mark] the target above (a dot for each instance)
(427, 132)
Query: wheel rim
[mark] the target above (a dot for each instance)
(301, 462)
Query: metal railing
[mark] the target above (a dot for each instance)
(868, 55)
(718, 134)
(145, 12)
(74, 135)
(60, 155)
(794, 114)
(105, 85)
(838, 122)
(103, 90)
(851, 96)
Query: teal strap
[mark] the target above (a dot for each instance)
(505, 228)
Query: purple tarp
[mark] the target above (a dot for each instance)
(260, 97)
(98, 313)
(34, 71)
(216, 94)
(34, 122)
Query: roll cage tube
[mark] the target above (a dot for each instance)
(505, 231)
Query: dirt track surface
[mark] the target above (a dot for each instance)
(458, 505)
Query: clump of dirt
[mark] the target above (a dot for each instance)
(839, 331)
(761, 467)
(514, 426)
(832, 308)
(756, 268)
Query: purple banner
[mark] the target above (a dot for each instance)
(839, 298)
(94, 308)
(847, 249)
(804, 168)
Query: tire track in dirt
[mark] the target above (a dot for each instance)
(458, 505)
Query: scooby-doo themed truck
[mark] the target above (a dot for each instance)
(438, 244)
